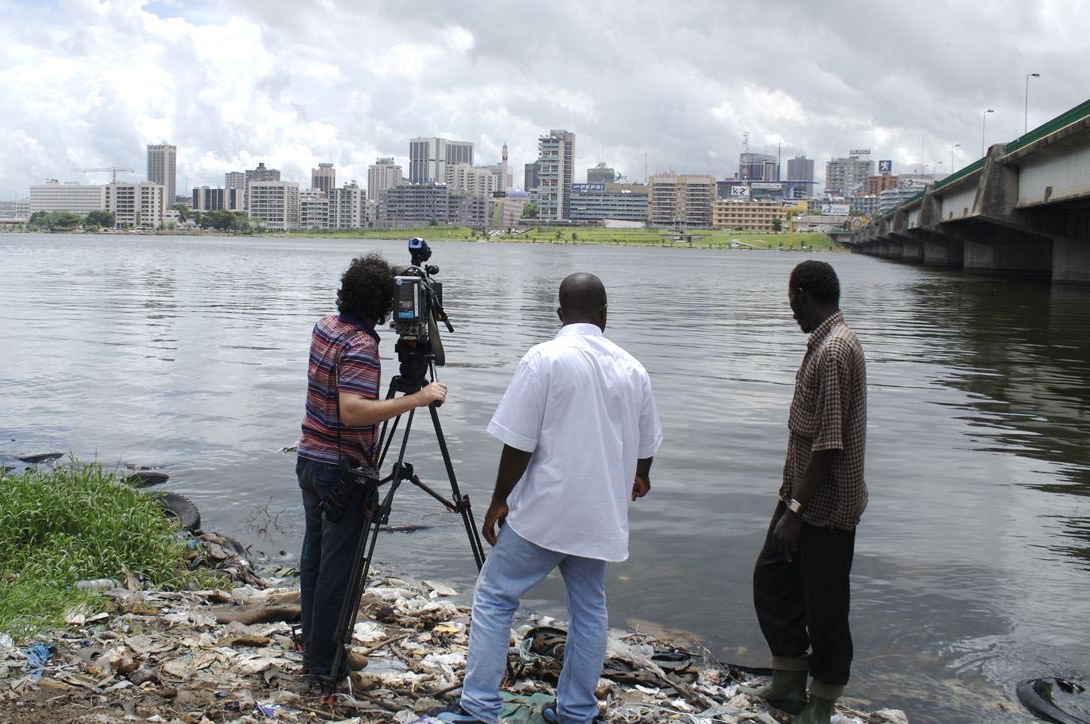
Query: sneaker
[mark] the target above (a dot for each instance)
(454, 713)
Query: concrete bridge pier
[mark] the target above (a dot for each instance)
(1071, 261)
(1000, 249)
(911, 248)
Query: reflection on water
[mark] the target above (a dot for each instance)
(972, 560)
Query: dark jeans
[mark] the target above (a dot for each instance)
(803, 605)
(325, 566)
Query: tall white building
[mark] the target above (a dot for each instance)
(313, 209)
(381, 175)
(136, 205)
(163, 168)
(348, 207)
(75, 198)
(556, 166)
(477, 180)
(276, 203)
(429, 157)
(846, 176)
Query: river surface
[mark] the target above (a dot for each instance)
(972, 561)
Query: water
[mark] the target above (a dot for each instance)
(972, 560)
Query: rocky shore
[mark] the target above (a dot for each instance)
(219, 656)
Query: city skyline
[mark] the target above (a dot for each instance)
(655, 93)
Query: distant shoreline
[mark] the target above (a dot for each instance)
(588, 236)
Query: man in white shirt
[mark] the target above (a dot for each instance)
(579, 428)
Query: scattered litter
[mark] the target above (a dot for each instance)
(229, 656)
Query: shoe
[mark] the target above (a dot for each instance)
(787, 691)
(454, 713)
(548, 713)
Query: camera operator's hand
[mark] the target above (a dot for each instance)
(496, 515)
(434, 392)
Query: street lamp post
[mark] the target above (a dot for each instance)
(983, 124)
(956, 145)
(1025, 127)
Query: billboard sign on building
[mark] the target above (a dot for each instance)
(859, 152)
(885, 167)
(835, 209)
(913, 183)
(741, 190)
(765, 186)
(587, 188)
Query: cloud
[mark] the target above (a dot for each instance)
(641, 84)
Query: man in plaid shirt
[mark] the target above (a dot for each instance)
(801, 580)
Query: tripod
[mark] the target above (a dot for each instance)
(414, 374)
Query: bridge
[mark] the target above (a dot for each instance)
(1022, 209)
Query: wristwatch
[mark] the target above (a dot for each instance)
(794, 506)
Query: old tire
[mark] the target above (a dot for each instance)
(181, 509)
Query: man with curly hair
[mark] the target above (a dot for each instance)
(342, 412)
(801, 587)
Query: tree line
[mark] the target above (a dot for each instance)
(221, 220)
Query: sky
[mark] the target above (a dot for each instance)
(646, 87)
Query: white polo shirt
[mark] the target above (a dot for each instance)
(583, 407)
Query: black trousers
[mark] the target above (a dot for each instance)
(802, 606)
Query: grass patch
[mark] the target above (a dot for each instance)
(71, 523)
(696, 238)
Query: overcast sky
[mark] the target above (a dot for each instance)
(85, 84)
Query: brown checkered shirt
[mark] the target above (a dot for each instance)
(829, 412)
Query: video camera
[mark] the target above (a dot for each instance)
(418, 308)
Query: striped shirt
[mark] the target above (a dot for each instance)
(348, 346)
(829, 412)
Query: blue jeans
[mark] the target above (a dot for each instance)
(324, 567)
(512, 568)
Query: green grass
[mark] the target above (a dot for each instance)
(701, 238)
(72, 523)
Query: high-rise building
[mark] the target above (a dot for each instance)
(262, 174)
(348, 207)
(381, 175)
(601, 174)
(276, 203)
(763, 216)
(847, 176)
(313, 210)
(758, 167)
(410, 205)
(529, 183)
(323, 178)
(800, 168)
(681, 201)
(207, 199)
(163, 168)
(136, 205)
(234, 180)
(476, 180)
(15, 211)
(556, 166)
(429, 157)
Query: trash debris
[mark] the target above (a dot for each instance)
(228, 655)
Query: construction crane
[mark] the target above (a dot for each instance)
(112, 169)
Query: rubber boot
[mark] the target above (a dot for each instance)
(787, 690)
(819, 710)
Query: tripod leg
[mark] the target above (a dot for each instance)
(460, 501)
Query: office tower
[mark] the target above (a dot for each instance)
(262, 174)
(381, 175)
(681, 201)
(556, 166)
(428, 158)
(75, 198)
(234, 180)
(276, 203)
(476, 180)
(136, 205)
(530, 177)
(347, 207)
(800, 168)
(163, 168)
(846, 176)
(323, 178)
(601, 174)
(758, 167)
